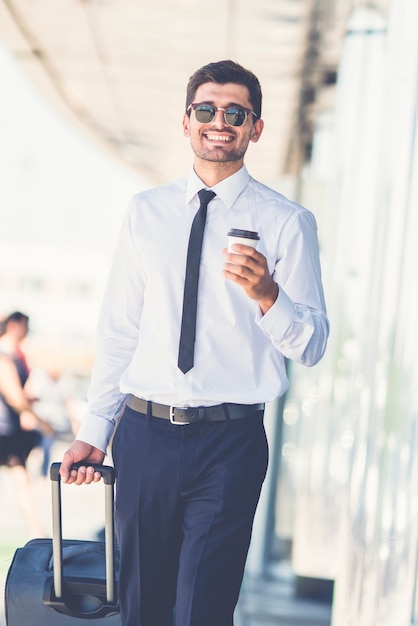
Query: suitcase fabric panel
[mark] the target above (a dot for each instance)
(30, 570)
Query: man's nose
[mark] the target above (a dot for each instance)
(219, 117)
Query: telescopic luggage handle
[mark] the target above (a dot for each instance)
(56, 596)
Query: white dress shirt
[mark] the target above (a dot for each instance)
(239, 353)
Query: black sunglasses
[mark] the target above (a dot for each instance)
(234, 115)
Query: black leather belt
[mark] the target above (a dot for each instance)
(193, 415)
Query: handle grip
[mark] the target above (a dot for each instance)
(107, 471)
(82, 598)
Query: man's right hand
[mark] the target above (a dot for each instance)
(80, 451)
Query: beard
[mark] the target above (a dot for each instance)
(219, 157)
(219, 154)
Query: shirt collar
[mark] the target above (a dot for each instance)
(227, 190)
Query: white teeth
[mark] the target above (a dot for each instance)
(218, 138)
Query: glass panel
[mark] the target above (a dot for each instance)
(350, 441)
(375, 577)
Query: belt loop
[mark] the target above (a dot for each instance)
(149, 409)
(226, 411)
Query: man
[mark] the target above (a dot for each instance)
(187, 492)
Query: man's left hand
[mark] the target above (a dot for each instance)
(248, 267)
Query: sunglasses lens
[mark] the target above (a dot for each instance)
(235, 116)
(204, 113)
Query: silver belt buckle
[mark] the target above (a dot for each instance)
(172, 420)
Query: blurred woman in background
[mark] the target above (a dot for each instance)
(20, 428)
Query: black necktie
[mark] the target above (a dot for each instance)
(188, 320)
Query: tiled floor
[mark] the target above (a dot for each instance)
(273, 602)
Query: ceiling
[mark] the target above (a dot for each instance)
(119, 68)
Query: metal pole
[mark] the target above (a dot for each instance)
(257, 560)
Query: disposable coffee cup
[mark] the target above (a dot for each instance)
(246, 237)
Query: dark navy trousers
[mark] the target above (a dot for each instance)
(185, 501)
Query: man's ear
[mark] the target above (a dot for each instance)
(257, 130)
(186, 125)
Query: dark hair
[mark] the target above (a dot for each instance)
(16, 316)
(224, 72)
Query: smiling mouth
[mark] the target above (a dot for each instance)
(218, 138)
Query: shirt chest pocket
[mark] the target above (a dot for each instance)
(164, 257)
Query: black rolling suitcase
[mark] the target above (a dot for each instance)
(56, 582)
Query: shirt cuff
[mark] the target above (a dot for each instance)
(278, 318)
(96, 431)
